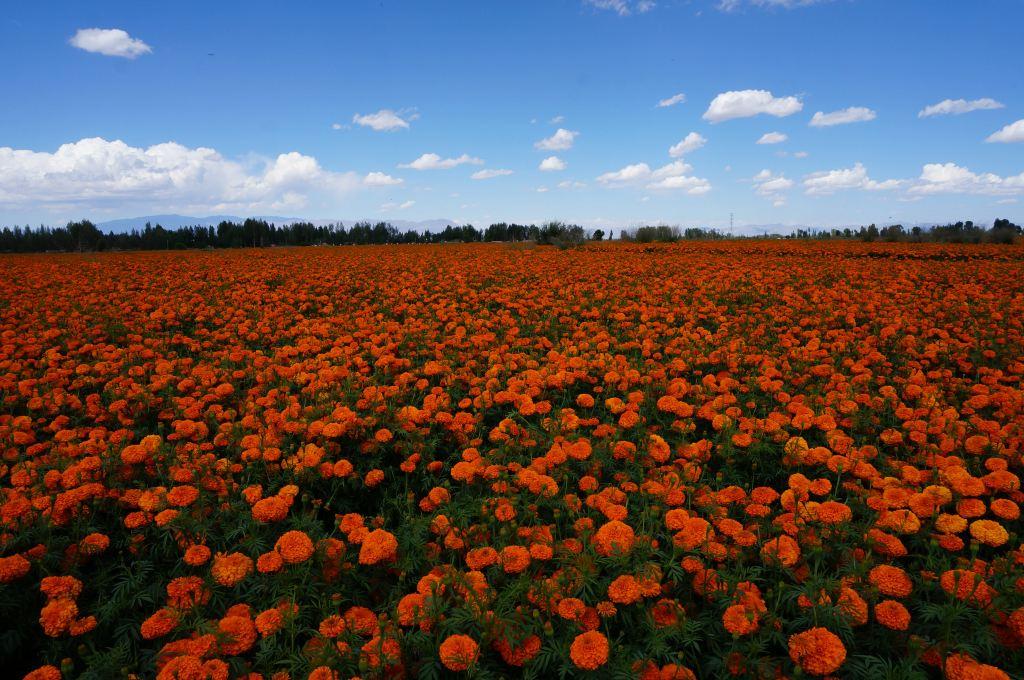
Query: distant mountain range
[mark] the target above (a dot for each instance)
(176, 221)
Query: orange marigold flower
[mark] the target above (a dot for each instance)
(186, 592)
(294, 547)
(571, 608)
(13, 568)
(740, 620)
(514, 559)
(159, 624)
(989, 532)
(378, 546)
(270, 562)
(197, 555)
(833, 512)
(239, 633)
(817, 651)
(410, 609)
(57, 616)
(459, 652)
(56, 587)
(891, 581)
(589, 650)
(892, 614)
(481, 558)
(323, 673)
(519, 654)
(44, 673)
(272, 509)
(967, 585)
(94, 544)
(624, 590)
(269, 622)
(782, 550)
(228, 570)
(614, 537)
(963, 667)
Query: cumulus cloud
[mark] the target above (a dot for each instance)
(730, 5)
(622, 7)
(490, 173)
(387, 207)
(772, 138)
(853, 114)
(690, 142)
(94, 173)
(551, 164)
(958, 106)
(562, 140)
(950, 178)
(1014, 132)
(830, 181)
(112, 42)
(671, 176)
(772, 186)
(672, 101)
(431, 161)
(380, 179)
(748, 103)
(384, 120)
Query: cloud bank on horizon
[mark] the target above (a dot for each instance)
(127, 134)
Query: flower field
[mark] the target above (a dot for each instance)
(707, 460)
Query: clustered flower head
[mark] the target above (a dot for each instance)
(751, 459)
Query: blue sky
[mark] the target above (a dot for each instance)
(333, 110)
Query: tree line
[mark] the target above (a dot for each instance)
(1002, 231)
(255, 233)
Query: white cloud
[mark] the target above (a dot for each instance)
(336, 126)
(542, 190)
(622, 7)
(384, 120)
(958, 106)
(747, 103)
(556, 120)
(387, 207)
(772, 138)
(113, 42)
(772, 186)
(552, 164)
(431, 161)
(560, 141)
(570, 184)
(694, 186)
(950, 178)
(690, 142)
(672, 101)
(380, 179)
(625, 175)
(1014, 132)
(671, 176)
(730, 5)
(94, 173)
(853, 114)
(490, 173)
(831, 181)
(800, 154)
